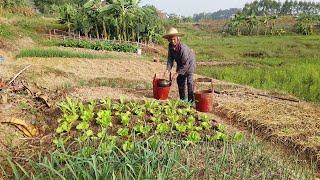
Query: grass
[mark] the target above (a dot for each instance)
(300, 78)
(163, 159)
(46, 53)
(212, 46)
(284, 63)
(15, 26)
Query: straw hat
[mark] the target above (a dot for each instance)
(172, 32)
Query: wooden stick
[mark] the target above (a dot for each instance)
(19, 74)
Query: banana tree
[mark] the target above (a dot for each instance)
(67, 15)
(236, 23)
(83, 23)
(124, 11)
(251, 22)
(92, 7)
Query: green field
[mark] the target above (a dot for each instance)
(285, 63)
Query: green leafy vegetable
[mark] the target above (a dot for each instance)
(125, 118)
(127, 146)
(194, 137)
(163, 128)
(181, 127)
(123, 132)
(104, 118)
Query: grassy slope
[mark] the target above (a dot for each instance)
(286, 63)
(14, 26)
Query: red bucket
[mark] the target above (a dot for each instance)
(204, 98)
(160, 93)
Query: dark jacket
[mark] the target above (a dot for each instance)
(184, 57)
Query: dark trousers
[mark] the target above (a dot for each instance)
(181, 80)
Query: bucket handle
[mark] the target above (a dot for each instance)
(203, 80)
(154, 78)
(170, 77)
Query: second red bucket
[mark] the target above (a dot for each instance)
(204, 98)
(160, 93)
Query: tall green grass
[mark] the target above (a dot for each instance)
(38, 52)
(163, 160)
(301, 79)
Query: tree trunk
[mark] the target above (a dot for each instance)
(104, 30)
(97, 31)
(69, 28)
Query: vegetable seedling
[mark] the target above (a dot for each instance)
(194, 137)
(181, 127)
(206, 125)
(238, 136)
(104, 118)
(162, 128)
(218, 136)
(142, 129)
(87, 112)
(174, 118)
(127, 146)
(83, 125)
(125, 118)
(107, 103)
(123, 132)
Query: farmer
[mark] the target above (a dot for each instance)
(186, 63)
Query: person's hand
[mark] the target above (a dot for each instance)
(165, 73)
(174, 76)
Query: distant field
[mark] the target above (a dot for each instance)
(286, 63)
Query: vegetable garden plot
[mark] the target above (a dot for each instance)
(120, 123)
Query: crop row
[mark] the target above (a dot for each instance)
(99, 45)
